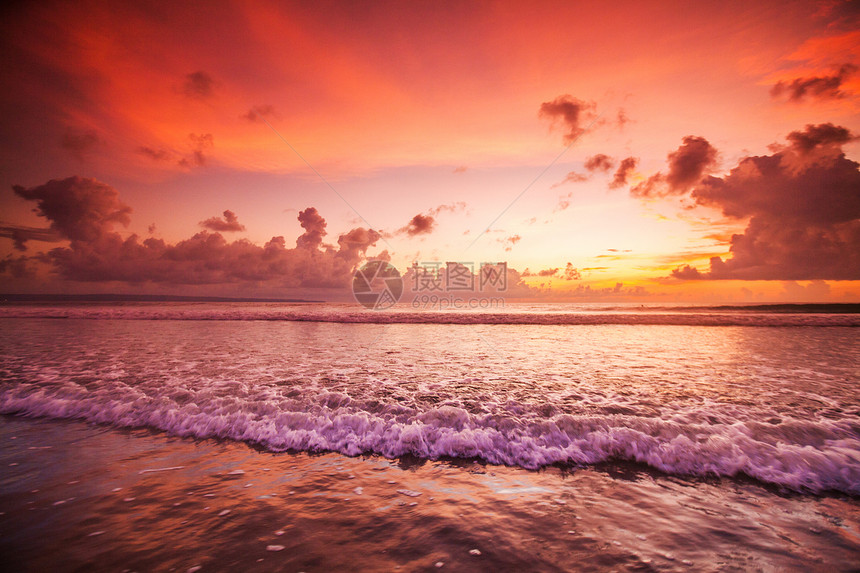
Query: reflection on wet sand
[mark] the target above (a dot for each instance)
(93, 498)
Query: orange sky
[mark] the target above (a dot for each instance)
(434, 109)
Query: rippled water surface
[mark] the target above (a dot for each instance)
(540, 445)
(776, 403)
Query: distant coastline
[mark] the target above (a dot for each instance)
(823, 307)
(138, 298)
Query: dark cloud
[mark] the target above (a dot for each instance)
(195, 156)
(419, 225)
(622, 174)
(354, 243)
(155, 154)
(687, 165)
(199, 145)
(818, 87)
(314, 225)
(803, 206)
(572, 112)
(687, 273)
(547, 272)
(824, 136)
(259, 112)
(599, 162)
(84, 211)
(230, 223)
(793, 184)
(79, 209)
(17, 267)
(80, 142)
(20, 235)
(198, 85)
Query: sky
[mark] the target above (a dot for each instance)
(636, 152)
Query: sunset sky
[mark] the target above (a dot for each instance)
(701, 151)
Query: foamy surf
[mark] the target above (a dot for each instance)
(776, 404)
(796, 454)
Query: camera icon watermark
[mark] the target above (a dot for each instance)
(377, 285)
(434, 285)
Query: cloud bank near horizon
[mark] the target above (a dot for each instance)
(802, 204)
(85, 212)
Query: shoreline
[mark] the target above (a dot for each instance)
(219, 505)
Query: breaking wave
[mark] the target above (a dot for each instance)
(798, 454)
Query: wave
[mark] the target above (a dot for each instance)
(802, 455)
(702, 316)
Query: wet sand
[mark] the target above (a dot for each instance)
(75, 496)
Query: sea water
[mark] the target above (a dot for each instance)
(765, 396)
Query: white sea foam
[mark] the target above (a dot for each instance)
(778, 456)
(779, 405)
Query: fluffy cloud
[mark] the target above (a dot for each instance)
(687, 165)
(198, 85)
(568, 273)
(79, 209)
(599, 162)
(419, 225)
(314, 225)
(425, 223)
(622, 174)
(825, 136)
(571, 273)
(85, 211)
(259, 112)
(229, 223)
(803, 206)
(604, 163)
(819, 87)
(354, 243)
(572, 112)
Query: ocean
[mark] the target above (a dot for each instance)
(317, 437)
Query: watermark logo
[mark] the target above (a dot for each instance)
(433, 285)
(377, 285)
(444, 287)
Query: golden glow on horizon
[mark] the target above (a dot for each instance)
(401, 118)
